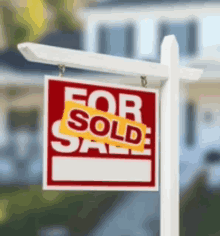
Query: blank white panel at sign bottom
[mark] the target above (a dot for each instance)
(99, 169)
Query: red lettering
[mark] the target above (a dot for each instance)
(77, 122)
(114, 134)
(93, 128)
(129, 132)
(80, 121)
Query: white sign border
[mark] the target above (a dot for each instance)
(93, 188)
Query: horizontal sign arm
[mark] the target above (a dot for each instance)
(99, 62)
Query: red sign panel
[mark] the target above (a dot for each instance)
(74, 163)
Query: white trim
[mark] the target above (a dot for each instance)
(161, 10)
(60, 188)
(45, 134)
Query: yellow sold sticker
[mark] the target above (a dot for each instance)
(92, 124)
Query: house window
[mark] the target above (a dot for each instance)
(212, 157)
(129, 41)
(116, 40)
(190, 124)
(186, 35)
(208, 117)
(27, 119)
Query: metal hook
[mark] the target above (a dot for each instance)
(144, 81)
(62, 70)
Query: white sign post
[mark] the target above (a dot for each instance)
(169, 198)
(170, 72)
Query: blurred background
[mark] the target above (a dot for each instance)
(128, 28)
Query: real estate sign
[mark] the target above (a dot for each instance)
(100, 136)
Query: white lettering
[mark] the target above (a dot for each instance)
(124, 109)
(69, 92)
(108, 96)
(87, 144)
(116, 150)
(57, 146)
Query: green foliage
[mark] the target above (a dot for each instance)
(28, 210)
(64, 9)
(64, 23)
(16, 32)
(31, 20)
(199, 211)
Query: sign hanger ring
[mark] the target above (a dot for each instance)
(144, 81)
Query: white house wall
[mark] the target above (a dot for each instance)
(147, 19)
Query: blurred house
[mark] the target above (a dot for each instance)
(21, 109)
(133, 29)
